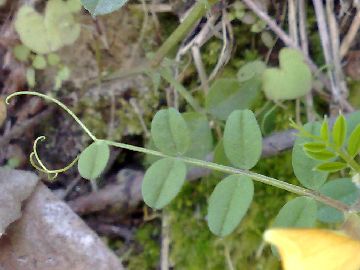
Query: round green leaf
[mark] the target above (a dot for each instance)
(299, 212)
(49, 32)
(93, 160)
(292, 80)
(242, 139)
(53, 59)
(101, 7)
(170, 132)
(200, 134)
(229, 203)
(162, 182)
(250, 70)
(343, 190)
(227, 95)
(21, 53)
(39, 62)
(303, 165)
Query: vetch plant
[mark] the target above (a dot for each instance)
(242, 145)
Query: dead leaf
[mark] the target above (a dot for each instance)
(3, 111)
(15, 187)
(50, 235)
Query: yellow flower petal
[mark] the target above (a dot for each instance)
(311, 249)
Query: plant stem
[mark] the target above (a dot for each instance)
(230, 170)
(179, 34)
(349, 160)
(201, 163)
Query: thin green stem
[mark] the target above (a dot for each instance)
(200, 163)
(230, 170)
(181, 31)
(181, 90)
(349, 160)
(60, 104)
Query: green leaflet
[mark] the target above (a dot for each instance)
(339, 131)
(299, 212)
(200, 133)
(321, 155)
(229, 203)
(162, 182)
(343, 190)
(331, 166)
(101, 7)
(227, 95)
(49, 32)
(242, 139)
(292, 80)
(169, 132)
(353, 146)
(303, 165)
(93, 160)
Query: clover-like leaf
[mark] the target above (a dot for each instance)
(299, 212)
(292, 80)
(342, 189)
(242, 139)
(303, 165)
(353, 146)
(162, 182)
(169, 132)
(250, 70)
(229, 203)
(101, 7)
(49, 32)
(339, 131)
(93, 160)
(227, 95)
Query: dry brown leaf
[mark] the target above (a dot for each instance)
(15, 187)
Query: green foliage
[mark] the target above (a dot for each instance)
(331, 166)
(49, 32)
(30, 77)
(162, 182)
(251, 70)
(21, 53)
(303, 165)
(242, 139)
(101, 7)
(200, 135)
(169, 132)
(39, 62)
(353, 146)
(53, 59)
(299, 212)
(343, 190)
(292, 80)
(227, 95)
(229, 203)
(339, 131)
(93, 160)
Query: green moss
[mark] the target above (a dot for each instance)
(146, 254)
